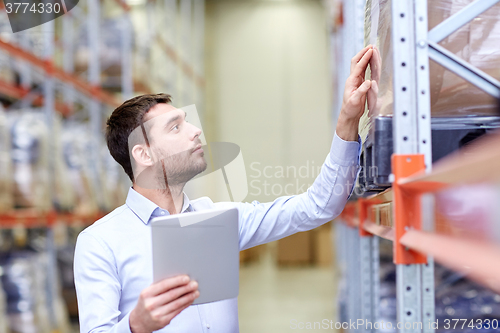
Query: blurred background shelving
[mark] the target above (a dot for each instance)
(58, 84)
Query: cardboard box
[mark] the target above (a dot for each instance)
(252, 254)
(323, 245)
(296, 249)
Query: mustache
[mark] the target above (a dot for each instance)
(197, 142)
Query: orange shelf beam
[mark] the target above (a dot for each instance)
(49, 68)
(379, 230)
(31, 218)
(28, 218)
(17, 92)
(86, 219)
(11, 90)
(476, 258)
(123, 4)
(478, 162)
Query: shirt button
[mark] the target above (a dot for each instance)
(208, 326)
(162, 213)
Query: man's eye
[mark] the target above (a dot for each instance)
(176, 127)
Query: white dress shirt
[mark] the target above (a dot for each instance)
(113, 257)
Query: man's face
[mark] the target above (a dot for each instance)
(175, 145)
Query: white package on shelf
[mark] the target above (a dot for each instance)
(64, 193)
(29, 151)
(6, 198)
(76, 151)
(26, 303)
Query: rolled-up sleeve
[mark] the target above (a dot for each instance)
(324, 200)
(98, 287)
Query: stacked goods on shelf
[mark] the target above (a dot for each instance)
(29, 152)
(26, 301)
(162, 54)
(7, 75)
(98, 186)
(78, 184)
(6, 198)
(65, 255)
(31, 287)
(4, 324)
(115, 181)
(141, 66)
(75, 145)
(110, 56)
(476, 42)
(64, 196)
(458, 299)
(461, 112)
(60, 309)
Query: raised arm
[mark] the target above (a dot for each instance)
(325, 199)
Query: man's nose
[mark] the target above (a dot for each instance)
(197, 132)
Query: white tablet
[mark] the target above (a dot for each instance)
(203, 245)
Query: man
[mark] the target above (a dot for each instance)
(113, 265)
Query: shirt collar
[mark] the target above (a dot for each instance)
(144, 208)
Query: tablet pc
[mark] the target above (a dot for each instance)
(204, 245)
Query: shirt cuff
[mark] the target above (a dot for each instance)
(123, 326)
(345, 153)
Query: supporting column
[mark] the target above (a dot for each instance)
(126, 49)
(412, 148)
(369, 268)
(354, 311)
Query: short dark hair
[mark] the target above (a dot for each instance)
(123, 121)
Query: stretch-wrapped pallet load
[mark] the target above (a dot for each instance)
(64, 196)
(75, 141)
(451, 96)
(4, 323)
(8, 73)
(114, 180)
(110, 56)
(29, 152)
(26, 303)
(6, 198)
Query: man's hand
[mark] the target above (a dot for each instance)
(159, 303)
(353, 103)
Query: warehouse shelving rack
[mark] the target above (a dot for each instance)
(183, 46)
(61, 89)
(404, 213)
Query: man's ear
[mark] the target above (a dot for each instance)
(142, 155)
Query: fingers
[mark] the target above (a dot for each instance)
(360, 67)
(176, 305)
(374, 87)
(360, 54)
(167, 318)
(165, 285)
(360, 93)
(172, 315)
(173, 294)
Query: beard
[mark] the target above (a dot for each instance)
(178, 169)
(171, 170)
